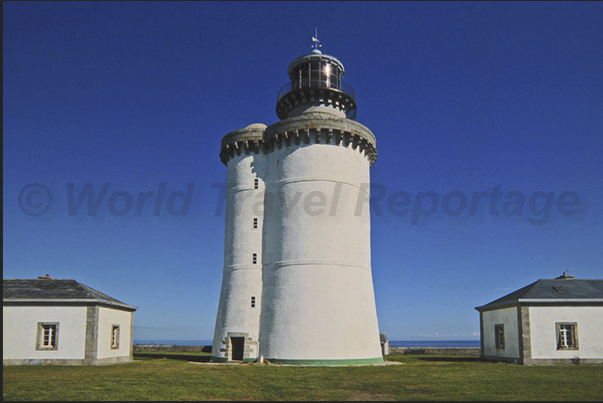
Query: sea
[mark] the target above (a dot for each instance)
(392, 343)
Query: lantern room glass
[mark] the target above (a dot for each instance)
(316, 74)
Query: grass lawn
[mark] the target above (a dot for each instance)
(188, 376)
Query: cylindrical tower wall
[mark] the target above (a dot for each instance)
(318, 303)
(241, 294)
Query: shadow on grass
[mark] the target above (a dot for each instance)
(183, 357)
(450, 359)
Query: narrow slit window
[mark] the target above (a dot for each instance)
(256, 183)
(255, 223)
(253, 302)
(115, 337)
(499, 334)
(254, 258)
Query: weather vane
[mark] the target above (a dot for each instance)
(315, 40)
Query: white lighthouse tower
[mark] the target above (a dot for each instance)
(297, 284)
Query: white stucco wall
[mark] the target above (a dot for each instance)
(544, 335)
(20, 326)
(318, 291)
(507, 317)
(108, 317)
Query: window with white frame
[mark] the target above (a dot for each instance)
(567, 335)
(114, 337)
(48, 336)
(499, 334)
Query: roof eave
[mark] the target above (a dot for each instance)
(66, 302)
(542, 301)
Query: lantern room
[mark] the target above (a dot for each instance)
(316, 71)
(316, 85)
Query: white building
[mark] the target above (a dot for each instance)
(556, 321)
(63, 322)
(297, 284)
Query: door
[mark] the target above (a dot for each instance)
(238, 346)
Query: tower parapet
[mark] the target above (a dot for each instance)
(308, 128)
(318, 128)
(247, 140)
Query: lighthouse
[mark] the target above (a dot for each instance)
(297, 282)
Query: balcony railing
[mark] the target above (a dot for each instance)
(317, 83)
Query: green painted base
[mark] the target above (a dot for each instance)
(359, 361)
(224, 359)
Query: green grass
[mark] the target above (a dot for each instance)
(420, 377)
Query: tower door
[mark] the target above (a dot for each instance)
(238, 346)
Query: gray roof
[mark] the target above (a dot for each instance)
(560, 291)
(54, 291)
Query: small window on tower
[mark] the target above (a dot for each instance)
(255, 258)
(256, 184)
(255, 223)
(253, 302)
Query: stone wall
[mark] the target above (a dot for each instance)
(474, 351)
(167, 347)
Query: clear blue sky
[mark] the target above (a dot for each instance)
(462, 97)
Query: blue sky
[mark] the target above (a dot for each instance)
(484, 97)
